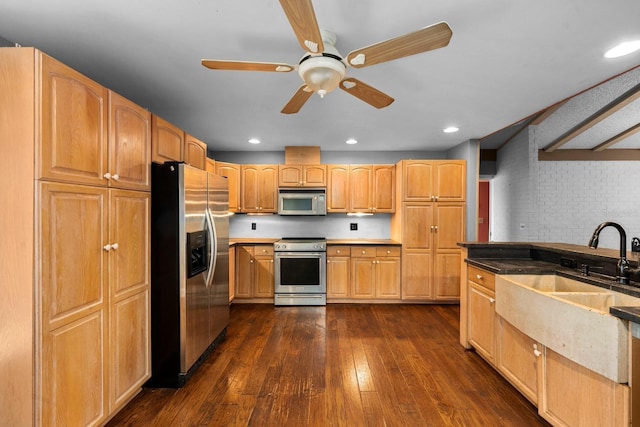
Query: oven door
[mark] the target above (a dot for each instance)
(300, 272)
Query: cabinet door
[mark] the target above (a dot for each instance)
(338, 275)
(290, 176)
(363, 278)
(384, 188)
(129, 285)
(167, 141)
(482, 319)
(232, 273)
(446, 280)
(416, 275)
(450, 176)
(314, 175)
(338, 188)
(417, 226)
(232, 173)
(417, 180)
(129, 144)
(73, 231)
(516, 360)
(268, 183)
(572, 395)
(449, 223)
(264, 282)
(211, 165)
(195, 152)
(73, 140)
(361, 179)
(388, 274)
(244, 272)
(250, 189)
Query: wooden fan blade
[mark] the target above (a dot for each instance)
(297, 101)
(247, 66)
(366, 93)
(302, 18)
(428, 38)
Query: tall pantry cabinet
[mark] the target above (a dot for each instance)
(429, 221)
(74, 177)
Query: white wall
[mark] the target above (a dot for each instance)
(565, 201)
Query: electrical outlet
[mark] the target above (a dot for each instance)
(354, 226)
(253, 225)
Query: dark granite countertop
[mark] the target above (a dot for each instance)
(515, 258)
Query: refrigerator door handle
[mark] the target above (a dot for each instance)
(213, 238)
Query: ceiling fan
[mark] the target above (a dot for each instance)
(322, 68)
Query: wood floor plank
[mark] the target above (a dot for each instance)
(339, 365)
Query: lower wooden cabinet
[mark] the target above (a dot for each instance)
(254, 272)
(95, 317)
(363, 272)
(572, 395)
(338, 272)
(566, 393)
(517, 358)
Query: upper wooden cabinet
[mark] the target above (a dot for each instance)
(195, 152)
(167, 141)
(211, 165)
(432, 180)
(73, 145)
(302, 175)
(129, 144)
(372, 188)
(338, 188)
(231, 171)
(259, 188)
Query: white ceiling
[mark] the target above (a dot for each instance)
(506, 60)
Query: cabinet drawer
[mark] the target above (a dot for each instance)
(363, 251)
(482, 277)
(263, 250)
(388, 251)
(339, 251)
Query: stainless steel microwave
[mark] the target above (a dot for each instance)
(302, 201)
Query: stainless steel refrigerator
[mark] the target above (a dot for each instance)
(189, 270)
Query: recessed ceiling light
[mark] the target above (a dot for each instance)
(351, 141)
(450, 129)
(623, 49)
(254, 141)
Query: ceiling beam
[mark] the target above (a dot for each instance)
(524, 126)
(615, 105)
(588, 155)
(619, 137)
(546, 113)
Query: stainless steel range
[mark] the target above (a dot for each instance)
(300, 271)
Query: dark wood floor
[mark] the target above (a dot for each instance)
(343, 365)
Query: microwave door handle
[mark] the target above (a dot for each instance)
(211, 228)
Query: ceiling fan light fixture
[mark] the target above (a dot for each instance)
(623, 49)
(322, 74)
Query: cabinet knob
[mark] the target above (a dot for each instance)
(328, 261)
(338, 251)
(107, 175)
(536, 352)
(251, 261)
(435, 227)
(107, 248)
(388, 252)
(492, 300)
(114, 246)
(264, 251)
(479, 277)
(364, 252)
(115, 177)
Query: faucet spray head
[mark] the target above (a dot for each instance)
(593, 242)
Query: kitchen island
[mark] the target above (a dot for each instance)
(556, 330)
